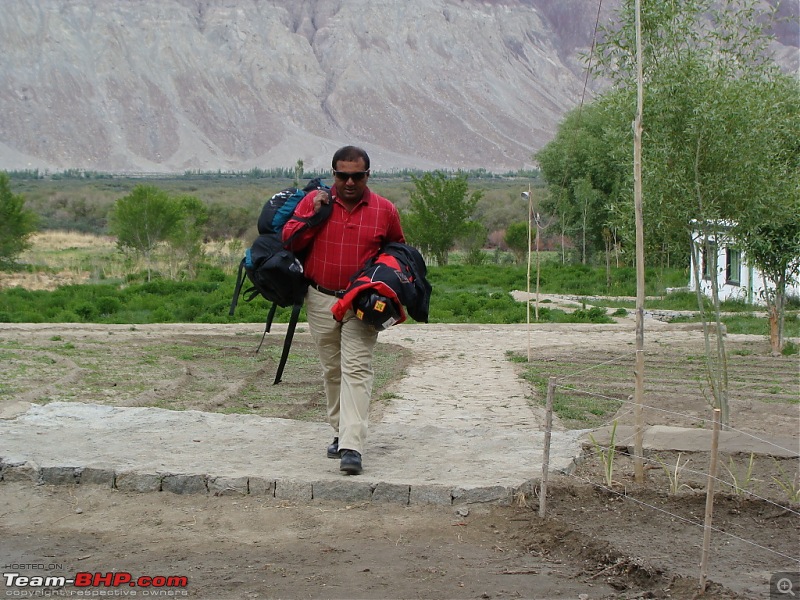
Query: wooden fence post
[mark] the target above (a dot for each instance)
(548, 427)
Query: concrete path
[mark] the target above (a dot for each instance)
(688, 439)
(459, 429)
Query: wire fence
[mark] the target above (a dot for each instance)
(606, 451)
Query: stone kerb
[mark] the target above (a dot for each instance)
(347, 490)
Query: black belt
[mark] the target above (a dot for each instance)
(326, 291)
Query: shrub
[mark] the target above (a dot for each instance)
(66, 316)
(161, 315)
(107, 305)
(85, 310)
(213, 274)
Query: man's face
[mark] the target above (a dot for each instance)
(350, 180)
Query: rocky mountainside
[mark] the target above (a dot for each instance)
(173, 85)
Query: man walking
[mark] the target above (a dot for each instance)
(361, 223)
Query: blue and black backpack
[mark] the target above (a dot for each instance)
(275, 273)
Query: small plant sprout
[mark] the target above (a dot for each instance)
(674, 474)
(741, 482)
(790, 485)
(607, 455)
(521, 499)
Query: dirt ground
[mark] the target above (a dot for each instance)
(624, 541)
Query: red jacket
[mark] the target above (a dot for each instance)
(398, 273)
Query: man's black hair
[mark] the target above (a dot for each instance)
(350, 153)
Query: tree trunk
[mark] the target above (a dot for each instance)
(607, 240)
(775, 312)
(722, 355)
(583, 242)
(774, 337)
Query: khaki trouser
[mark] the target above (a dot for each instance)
(345, 350)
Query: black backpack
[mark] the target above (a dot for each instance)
(276, 274)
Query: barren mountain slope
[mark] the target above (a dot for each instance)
(170, 85)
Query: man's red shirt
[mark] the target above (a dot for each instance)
(346, 240)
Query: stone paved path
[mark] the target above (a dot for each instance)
(462, 378)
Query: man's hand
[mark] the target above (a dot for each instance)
(321, 198)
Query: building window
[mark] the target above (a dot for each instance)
(709, 255)
(733, 266)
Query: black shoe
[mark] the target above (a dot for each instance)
(333, 449)
(351, 462)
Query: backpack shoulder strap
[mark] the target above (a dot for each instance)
(313, 221)
(237, 290)
(287, 342)
(270, 316)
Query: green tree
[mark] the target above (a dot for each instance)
(774, 248)
(472, 242)
(186, 239)
(439, 212)
(585, 172)
(16, 224)
(767, 221)
(701, 149)
(709, 152)
(707, 145)
(143, 219)
(516, 239)
(722, 133)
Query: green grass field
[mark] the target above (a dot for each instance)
(84, 278)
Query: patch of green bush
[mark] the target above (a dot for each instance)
(462, 293)
(87, 311)
(475, 307)
(107, 305)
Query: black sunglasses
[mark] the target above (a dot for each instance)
(344, 176)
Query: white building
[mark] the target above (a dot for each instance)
(736, 279)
